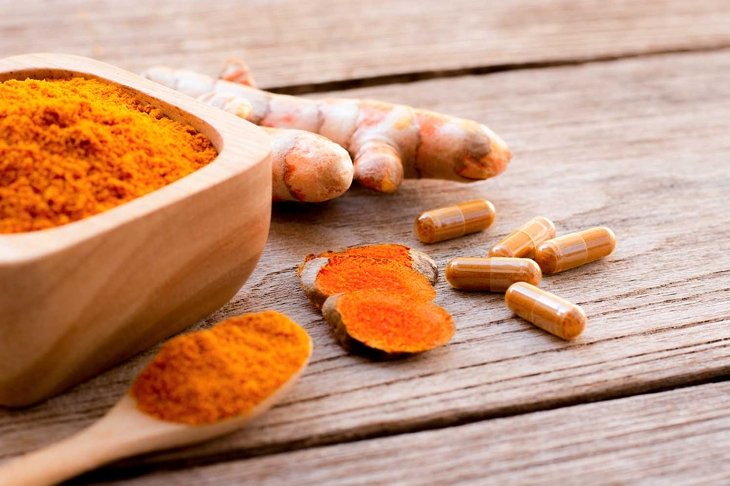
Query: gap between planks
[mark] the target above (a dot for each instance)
(645, 438)
(123, 470)
(427, 75)
(324, 40)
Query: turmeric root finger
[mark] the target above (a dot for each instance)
(323, 277)
(235, 105)
(417, 260)
(306, 167)
(237, 71)
(387, 141)
(385, 325)
(378, 165)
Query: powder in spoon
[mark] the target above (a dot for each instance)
(223, 372)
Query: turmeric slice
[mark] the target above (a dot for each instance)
(414, 259)
(390, 251)
(322, 277)
(386, 325)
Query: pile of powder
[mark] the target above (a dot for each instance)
(223, 372)
(71, 148)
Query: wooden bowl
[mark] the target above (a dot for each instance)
(78, 298)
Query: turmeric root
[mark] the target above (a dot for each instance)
(385, 325)
(409, 257)
(236, 70)
(306, 167)
(323, 277)
(386, 141)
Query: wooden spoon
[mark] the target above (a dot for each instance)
(124, 431)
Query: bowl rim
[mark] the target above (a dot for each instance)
(240, 145)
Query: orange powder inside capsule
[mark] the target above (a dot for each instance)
(523, 241)
(546, 310)
(575, 249)
(454, 221)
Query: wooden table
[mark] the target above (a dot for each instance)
(618, 114)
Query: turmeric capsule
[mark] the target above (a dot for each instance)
(523, 241)
(454, 221)
(494, 274)
(575, 249)
(545, 310)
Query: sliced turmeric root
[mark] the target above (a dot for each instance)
(414, 259)
(323, 277)
(387, 325)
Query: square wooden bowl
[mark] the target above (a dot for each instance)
(79, 298)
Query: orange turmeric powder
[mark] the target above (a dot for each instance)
(223, 372)
(387, 325)
(71, 148)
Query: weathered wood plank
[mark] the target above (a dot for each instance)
(293, 42)
(676, 437)
(638, 145)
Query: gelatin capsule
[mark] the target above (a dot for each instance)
(454, 221)
(523, 241)
(545, 310)
(575, 249)
(494, 274)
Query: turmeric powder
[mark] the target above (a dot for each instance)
(324, 277)
(223, 372)
(414, 259)
(386, 325)
(71, 148)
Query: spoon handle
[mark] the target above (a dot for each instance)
(61, 460)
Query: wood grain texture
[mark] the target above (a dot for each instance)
(639, 145)
(293, 42)
(676, 437)
(79, 298)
